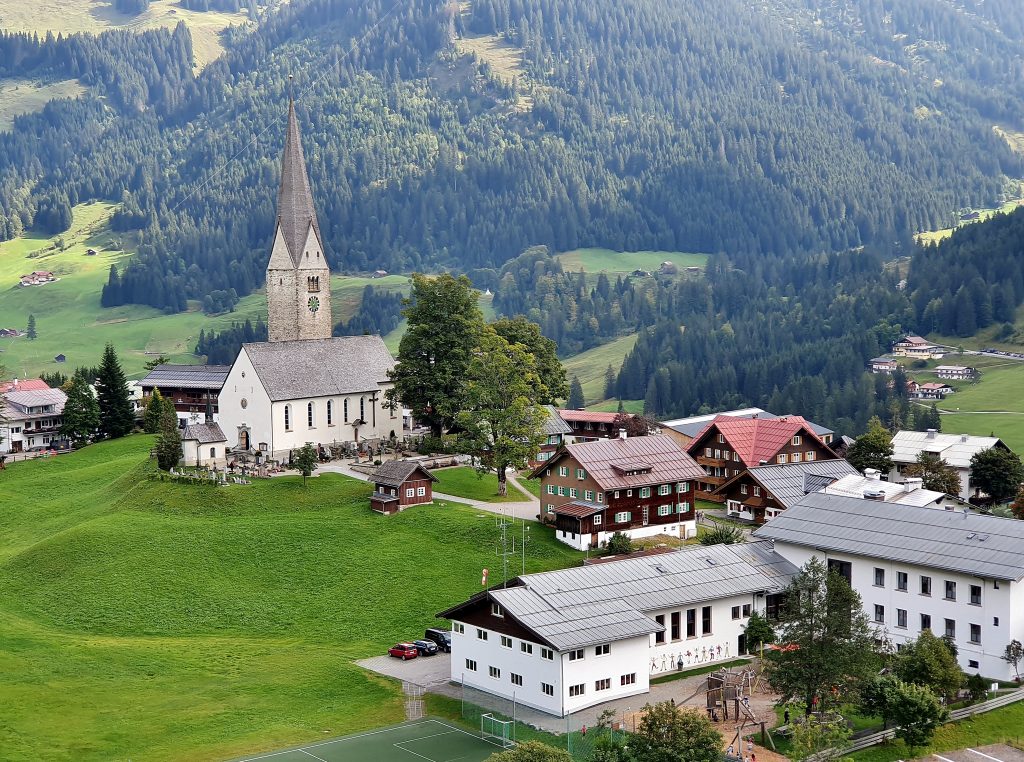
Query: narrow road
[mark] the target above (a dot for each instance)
(524, 510)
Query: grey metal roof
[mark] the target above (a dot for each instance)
(394, 473)
(789, 483)
(295, 210)
(321, 367)
(187, 376)
(204, 433)
(585, 605)
(554, 424)
(691, 427)
(970, 543)
(855, 485)
(37, 398)
(956, 449)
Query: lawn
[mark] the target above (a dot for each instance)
(624, 262)
(590, 366)
(612, 406)
(997, 726)
(1009, 428)
(999, 390)
(69, 16)
(23, 96)
(463, 481)
(63, 309)
(152, 620)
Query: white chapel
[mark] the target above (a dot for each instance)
(303, 385)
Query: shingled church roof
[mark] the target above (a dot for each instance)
(295, 210)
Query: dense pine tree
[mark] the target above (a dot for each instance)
(116, 416)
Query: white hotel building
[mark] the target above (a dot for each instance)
(955, 573)
(565, 640)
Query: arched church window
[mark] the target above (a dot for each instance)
(362, 408)
(313, 283)
(287, 417)
(213, 452)
(309, 414)
(344, 410)
(330, 412)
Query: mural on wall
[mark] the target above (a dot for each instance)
(690, 657)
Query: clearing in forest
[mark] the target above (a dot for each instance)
(24, 96)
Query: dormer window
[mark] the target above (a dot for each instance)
(496, 610)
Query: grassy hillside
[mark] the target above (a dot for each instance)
(158, 621)
(934, 236)
(69, 16)
(614, 263)
(590, 366)
(23, 96)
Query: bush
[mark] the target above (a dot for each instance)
(721, 535)
(619, 544)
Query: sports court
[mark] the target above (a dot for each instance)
(996, 753)
(427, 739)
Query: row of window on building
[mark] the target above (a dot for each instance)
(675, 623)
(902, 580)
(548, 689)
(311, 413)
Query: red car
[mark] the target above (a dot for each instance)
(403, 651)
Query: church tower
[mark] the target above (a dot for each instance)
(298, 278)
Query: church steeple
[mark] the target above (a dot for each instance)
(295, 210)
(298, 279)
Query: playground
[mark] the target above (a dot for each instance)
(427, 739)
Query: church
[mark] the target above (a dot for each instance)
(303, 385)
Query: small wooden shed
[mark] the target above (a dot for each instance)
(399, 484)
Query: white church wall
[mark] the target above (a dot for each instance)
(243, 385)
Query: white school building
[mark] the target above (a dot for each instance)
(915, 568)
(565, 640)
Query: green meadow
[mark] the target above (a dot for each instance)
(465, 482)
(24, 96)
(590, 366)
(595, 260)
(144, 619)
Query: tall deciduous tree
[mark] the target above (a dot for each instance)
(519, 330)
(668, 733)
(997, 472)
(576, 399)
(154, 412)
(116, 416)
(935, 473)
(821, 737)
(827, 643)
(81, 415)
(168, 443)
(929, 661)
(503, 423)
(1014, 655)
(444, 326)
(872, 449)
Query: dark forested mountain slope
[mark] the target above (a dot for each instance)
(760, 129)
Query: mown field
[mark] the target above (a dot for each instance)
(70, 320)
(465, 482)
(95, 16)
(158, 621)
(590, 366)
(594, 260)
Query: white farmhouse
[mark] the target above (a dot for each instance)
(31, 418)
(564, 640)
(954, 573)
(956, 449)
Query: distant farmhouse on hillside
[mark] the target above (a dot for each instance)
(38, 278)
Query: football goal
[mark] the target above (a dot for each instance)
(496, 731)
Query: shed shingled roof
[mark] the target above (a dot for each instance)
(321, 367)
(204, 433)
(554, 424)
(187, 376)
(970, 543)
(394, 473)
(788, 483)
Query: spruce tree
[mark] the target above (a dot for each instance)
(168, 444)
(116, 416)
(81, 413)
(31, 330)
(154, 412)
(576, 399)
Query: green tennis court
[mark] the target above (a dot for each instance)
(428, 739)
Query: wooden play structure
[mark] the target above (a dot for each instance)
(728, 695)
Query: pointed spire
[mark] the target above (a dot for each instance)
(295, 210)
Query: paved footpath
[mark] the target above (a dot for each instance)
(526, 510)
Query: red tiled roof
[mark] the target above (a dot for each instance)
(933, 385)
(24, 385)
(757, 439)
(587, 415)
(668, 461)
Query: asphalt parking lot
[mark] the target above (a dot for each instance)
(423, 670)
(994, 753)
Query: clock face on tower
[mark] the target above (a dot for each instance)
(313, 304)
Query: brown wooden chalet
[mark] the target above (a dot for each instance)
(641, 486)
(761, 493)
(194, 389)
(590, 424)
(397, 484)
(728, 446)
